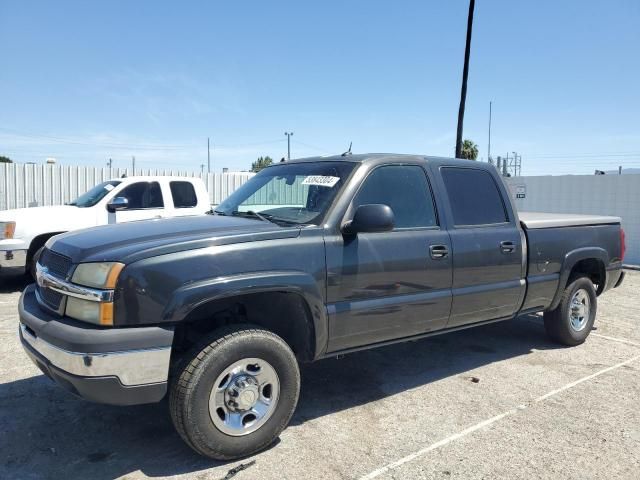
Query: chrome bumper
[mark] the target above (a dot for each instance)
(13, 259)
(131, 367)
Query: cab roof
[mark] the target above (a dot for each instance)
(383, 157)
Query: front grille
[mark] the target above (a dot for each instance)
(50, 298)
(56, 263)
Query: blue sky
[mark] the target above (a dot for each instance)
(85, 81)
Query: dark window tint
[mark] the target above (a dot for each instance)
(474, 197)
(143, 195)
(405, 189)
(184, 195)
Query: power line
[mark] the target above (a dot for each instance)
(313, 147)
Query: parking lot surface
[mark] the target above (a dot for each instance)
(498, 401)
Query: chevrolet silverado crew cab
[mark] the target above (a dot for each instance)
(309, 259)
(24, 231)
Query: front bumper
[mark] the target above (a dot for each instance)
(14, 261)
(119, 366)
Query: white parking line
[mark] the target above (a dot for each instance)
(489, 421)
(621, 340)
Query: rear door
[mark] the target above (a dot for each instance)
(488, 277)
(388, 285)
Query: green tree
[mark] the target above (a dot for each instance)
(4, 159)
(469, 150)
(261, 163)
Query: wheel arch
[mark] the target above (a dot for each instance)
(590, 262)
(286, 303)
(38, 242)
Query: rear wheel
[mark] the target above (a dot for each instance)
(572, 320)
(234, 394)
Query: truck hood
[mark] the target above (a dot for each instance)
(55, 218)
(132, 241)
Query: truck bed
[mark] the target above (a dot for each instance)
(535, 220)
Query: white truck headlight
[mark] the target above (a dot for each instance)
(97, 275)
(7, 229)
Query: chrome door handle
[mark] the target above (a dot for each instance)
(438, 251)
(507, 247)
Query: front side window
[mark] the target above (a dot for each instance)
(184, 195)
(291, 193)
(474, 197)
(143, 195)
(405, 189)
(93, 196)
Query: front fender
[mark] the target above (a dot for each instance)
(189, 297)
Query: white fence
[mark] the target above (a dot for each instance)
(617, 195)
(25, 185)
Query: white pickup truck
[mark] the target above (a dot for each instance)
(24, 231)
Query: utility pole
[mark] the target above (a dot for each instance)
(201, 169)
(288, 134)
(133, 164)
(620, 170)
(208, 157)
(110, 163)
(489, 148)
(465, 75)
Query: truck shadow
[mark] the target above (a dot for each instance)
(13, 283)
(51, 434)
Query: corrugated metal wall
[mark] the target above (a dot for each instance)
(24, 185)
(617, 195)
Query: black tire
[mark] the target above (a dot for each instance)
(194, 379)
(558, 322)
(32, 263)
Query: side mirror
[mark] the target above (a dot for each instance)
(370, 218)
(117, 203)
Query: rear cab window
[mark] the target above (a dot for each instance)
(474, 197)
(183, 194)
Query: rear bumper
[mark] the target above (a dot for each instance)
(615, 277)
(116, 366)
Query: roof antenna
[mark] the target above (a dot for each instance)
(348, 152)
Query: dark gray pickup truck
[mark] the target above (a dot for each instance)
(309, 259)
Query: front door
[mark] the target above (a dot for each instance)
(387, 285)
(145, 202)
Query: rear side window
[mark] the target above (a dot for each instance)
(184, 195)
(474, 197)
(143, 195)
(405, 189)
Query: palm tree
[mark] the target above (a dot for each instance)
(469, 150)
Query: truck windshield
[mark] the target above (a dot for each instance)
(290, 193)
(94, 195)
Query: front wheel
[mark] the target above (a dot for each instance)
(572, 320)
(234, 395)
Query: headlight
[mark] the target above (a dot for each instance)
(97, 275)
(99, 313)
(7, 229)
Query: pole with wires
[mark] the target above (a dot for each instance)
(465, 75)
(489, 147)
(288, 134)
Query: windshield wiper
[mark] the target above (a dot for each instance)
(216, 212)
(251, 214)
